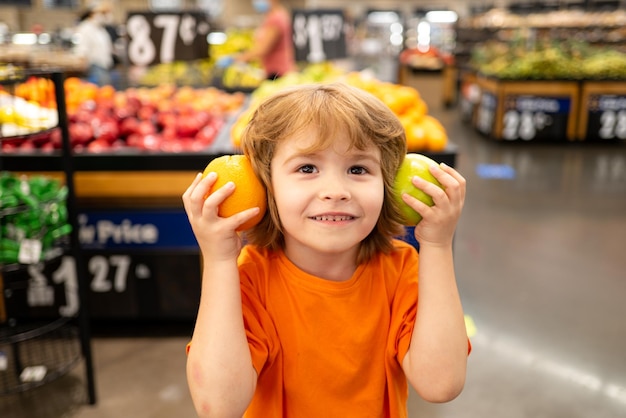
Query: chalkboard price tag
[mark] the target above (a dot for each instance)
(535, 118)
(606, 117)
(319, 35)
(155, 38)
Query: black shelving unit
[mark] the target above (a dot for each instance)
(42, 349)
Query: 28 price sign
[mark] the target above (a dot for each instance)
(534, 117)
(319, 35)
(155, 38)
(606, 117)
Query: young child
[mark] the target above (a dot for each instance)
(318, 314)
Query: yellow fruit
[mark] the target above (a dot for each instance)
(249, 191)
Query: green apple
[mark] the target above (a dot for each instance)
(413, 165)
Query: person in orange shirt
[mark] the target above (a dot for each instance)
(319, 310)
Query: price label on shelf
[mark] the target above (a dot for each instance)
(532, 117)
(486, 113)
(319, 35)
(606, 117)
(155, 38)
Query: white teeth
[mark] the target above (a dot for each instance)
(333, 218)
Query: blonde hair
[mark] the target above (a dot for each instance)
(329, 109)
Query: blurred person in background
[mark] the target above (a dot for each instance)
(94, 43)
(273, 41)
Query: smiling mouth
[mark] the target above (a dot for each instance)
(330, 218)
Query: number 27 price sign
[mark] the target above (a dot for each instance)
(155, 38)
(319, 35)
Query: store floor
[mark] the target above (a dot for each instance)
(541, 261)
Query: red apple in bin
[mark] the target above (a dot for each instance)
(108, 131)
(80, 133)
(146, 112)
(172, 145)
(187, 126)
(133, 140)
(27, 146)
(98, 145)
(165, 119)
(207, 134)
(146, 128)
(150, 142)
(128, 126)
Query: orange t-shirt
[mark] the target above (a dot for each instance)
(329, 349)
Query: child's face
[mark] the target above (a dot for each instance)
(328, 200)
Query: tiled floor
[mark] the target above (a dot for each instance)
(541, 266)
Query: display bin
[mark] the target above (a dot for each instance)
(537, 110)
(37, 353)
(602, 111)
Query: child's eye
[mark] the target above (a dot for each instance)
(307, 169)
(358, 170)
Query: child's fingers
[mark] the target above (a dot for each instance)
(218, 196)
(187, 195)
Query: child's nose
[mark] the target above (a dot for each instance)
(334, 188)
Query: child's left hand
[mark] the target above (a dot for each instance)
(438, 221)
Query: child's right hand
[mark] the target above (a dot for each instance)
(216, 236)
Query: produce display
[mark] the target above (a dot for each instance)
(180, 73)
(164, 118)
(235, 77)
(553, 60)
(423, 131)
(413, 165)
(249, 192)
(33, 217)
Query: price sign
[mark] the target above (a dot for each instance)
(533, 117)
(606, 117)
(155, 38)
(319, 35)
(485, 114)
(140, 264)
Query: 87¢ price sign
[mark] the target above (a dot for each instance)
(155, 38)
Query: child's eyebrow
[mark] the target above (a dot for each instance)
(360, 156)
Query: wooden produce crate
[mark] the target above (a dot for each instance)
(602, 111)
(527, 110)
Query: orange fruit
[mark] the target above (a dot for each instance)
(415, 136)
(249, 191)
(436, 136)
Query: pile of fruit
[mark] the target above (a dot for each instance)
(554, 60)
(164, 118)
(423, 131)
(180, 73)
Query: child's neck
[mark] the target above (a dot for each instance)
(333, 267)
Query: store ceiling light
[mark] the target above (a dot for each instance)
(24, 39)
(442, 16)
(383, 18)
(216, 38)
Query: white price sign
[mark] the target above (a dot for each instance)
(319, 35)
(155, 38)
